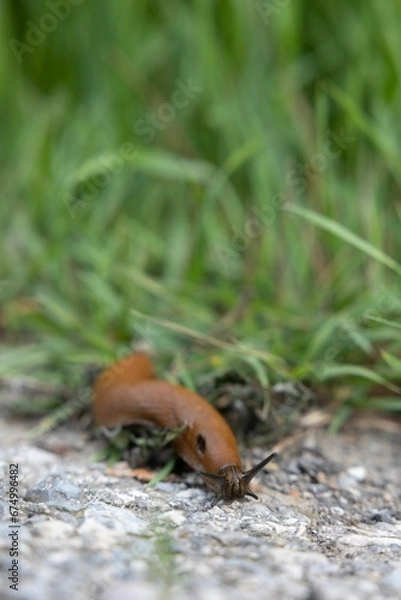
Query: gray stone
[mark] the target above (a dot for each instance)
(393, 580)
(55, 491)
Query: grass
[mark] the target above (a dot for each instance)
(220, 178)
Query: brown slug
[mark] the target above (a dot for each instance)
(128, 393)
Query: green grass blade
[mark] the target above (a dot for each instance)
(337, 371)
(344, 234)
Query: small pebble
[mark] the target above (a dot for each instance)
(358, 473)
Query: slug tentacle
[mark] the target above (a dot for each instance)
(249, 475)
(231, 483)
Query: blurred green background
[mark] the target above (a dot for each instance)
(230, 169)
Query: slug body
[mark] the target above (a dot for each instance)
(128, 393)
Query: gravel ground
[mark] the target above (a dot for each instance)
(327, 525)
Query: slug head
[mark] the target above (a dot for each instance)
(231, 483)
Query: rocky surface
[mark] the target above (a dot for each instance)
(327, 525)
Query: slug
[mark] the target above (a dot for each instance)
(128, 392)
